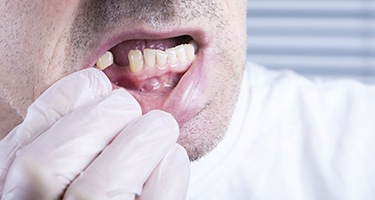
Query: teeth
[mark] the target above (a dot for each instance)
(180, 55)
(190, 51)
(194, 45)
(105, 61)
(135, 61)
(161, 59)
(172, 57)
(150, 57)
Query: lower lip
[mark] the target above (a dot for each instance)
(188, 98)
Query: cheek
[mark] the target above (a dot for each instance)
(236, 8)
(235, 12)
(29, 33)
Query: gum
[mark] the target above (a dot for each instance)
(163, 80)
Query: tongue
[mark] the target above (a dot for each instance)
(120, 51)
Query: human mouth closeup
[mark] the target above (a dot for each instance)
(166, 73)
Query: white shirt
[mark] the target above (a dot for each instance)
(293, 138)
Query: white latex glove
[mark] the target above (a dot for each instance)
(65, 132)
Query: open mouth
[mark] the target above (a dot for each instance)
(162, 73)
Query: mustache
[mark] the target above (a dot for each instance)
(98, 13)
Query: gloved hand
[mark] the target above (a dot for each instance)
(82, 140)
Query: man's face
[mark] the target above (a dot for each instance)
(43, 41)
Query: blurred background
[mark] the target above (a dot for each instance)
(325, 38)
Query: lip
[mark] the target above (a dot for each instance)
(188, 98)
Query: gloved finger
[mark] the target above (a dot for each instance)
(57, 156)
(59, 100)
(124, 165)
(170, 179)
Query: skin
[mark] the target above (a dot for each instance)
(43, 41)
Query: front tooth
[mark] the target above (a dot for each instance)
(161, 58)
(135, 61)
(172, 58)
(105, 61)
(189, 48)
(181, 54)
(150, 57)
